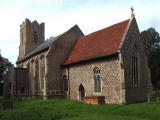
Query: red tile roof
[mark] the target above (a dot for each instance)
(101, 43)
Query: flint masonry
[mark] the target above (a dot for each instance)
(110, 62)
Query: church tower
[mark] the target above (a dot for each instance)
(31, 35)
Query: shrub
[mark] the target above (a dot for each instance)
(155, 96)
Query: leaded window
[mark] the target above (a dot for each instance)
(97, 80)
(135, 66)
(65, 82)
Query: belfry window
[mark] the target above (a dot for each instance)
(97, 80)
(35, 37)
(135, 68)
(22, 37)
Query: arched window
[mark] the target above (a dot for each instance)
(32, 67)
(22, 89)
(65, 82)
(42, 71)
(97, 80)
(135, 68)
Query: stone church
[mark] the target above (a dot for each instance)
(110, 62)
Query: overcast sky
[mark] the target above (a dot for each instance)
(60, 15)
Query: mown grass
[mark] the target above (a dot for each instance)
(73, 110)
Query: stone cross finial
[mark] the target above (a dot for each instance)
(132, 12)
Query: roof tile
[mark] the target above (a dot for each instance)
(101, 43)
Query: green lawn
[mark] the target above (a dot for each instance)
(73, 110)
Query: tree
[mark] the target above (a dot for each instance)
(151, 41)
(4, 63)
(154, 64)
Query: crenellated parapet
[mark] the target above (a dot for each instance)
(31, 35)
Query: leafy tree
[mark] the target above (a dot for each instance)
(151, 41)
(154, 64)
(4, 63)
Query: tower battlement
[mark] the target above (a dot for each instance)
(31, 35)
(28, 22)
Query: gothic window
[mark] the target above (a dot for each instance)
(22, 89)
(35, 37)
(33, 68)
(42, 71)
(65, 83)
(97, 80)
(135, 68)
(42, 77)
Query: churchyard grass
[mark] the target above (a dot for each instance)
(73, 110)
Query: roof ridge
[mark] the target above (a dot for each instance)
(107, 27)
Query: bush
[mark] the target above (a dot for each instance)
(155, 96)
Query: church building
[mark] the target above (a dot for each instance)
(110, 62)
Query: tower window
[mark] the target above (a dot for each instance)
(35, 37)
(22, 37)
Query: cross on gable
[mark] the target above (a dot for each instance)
(132, 12)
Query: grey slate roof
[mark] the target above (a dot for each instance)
(41, 47)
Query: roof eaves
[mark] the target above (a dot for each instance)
(92, 59)
(27, 57)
